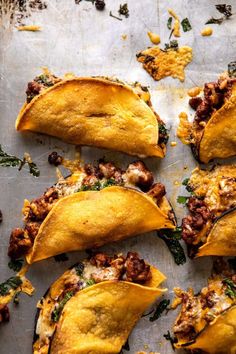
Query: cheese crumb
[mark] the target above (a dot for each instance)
(193, 92)
(207, 31)
(176, 27)
(31, 28)
(124, 37)
(154, 38)
(173, 143)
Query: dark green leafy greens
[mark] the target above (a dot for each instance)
(163, 134)
(171, 238)
(168, 337)
(186, 25)
(232, 69)
(123, 10)
(16, 264)
(231, 288)
(169, 23)
(161, 307)
(173, 45)
(16, 298)
(90, 282)
(7, 160)
(224, 9)
(186, 184)
(57, 311)
(79, 268)
(11, 283)
(182, 199)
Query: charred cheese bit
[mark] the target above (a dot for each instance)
(184, 129)
(160, 64)
(176, 27)
(207, 31)
(193, 92)
(154, 38)
(31, 28)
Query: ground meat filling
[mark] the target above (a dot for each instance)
(215, 95)
(201, 309)
(4, 313)
(195, 222)
(103, 175)
(39, 84)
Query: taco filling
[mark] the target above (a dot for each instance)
(216, 103)
(213, 197)
(98, 268)
(87, 178)
(203, 311)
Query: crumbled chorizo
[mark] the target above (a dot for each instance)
(157, 192)
(109, 170)
(136, 269)
(138, 174)
(4, 313)
(100, 260)
(194, 102)
(90, 181)
(32, 229)
(55, 159)
(20, 243)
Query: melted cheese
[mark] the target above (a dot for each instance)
(166, 63)
(207, 31)
(184, 129)
(176, 26)
(31, 28)
(194, 91)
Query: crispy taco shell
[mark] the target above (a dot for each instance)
(221, 240)
(219, 136)
(99, 318)
(92, 218)
(217, 337)
(96, 112)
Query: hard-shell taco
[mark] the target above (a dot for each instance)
(93, 306)
(94, 111)
(209, 229)
(207, 321)
(212, 133)
(94, 206)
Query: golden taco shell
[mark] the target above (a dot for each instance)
(95, 112)
(219, 136)
(92, 218)
(209, 228)
(212, 132)
(99, 317)
(207, 320)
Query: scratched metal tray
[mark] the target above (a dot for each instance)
(79, 39)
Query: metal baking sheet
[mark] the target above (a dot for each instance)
(79, 39)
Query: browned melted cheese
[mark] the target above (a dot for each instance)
(184, 130)
(160, 64)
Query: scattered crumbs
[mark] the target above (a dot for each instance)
(176, 26)
(14, 12)
(123, 10)
(184, 129)
(177, 183)
(185, 167)
(31, 28)
(195, 91)
(154, 38)
(146, 346)
(207, 31)
(124, 37)
(161, 63)
(173, 143)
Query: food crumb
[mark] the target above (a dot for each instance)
(207, 31)
(193, 92)
(176, 183)
(55, 159)
(176, 27)
(173, 143)
(124, 37)
(32, 28)
(154, 38)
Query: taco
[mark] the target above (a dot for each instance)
(212, 133)
(207, 321)
(209, 229)
(94, 111)
(94, 206)
(93, 306)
